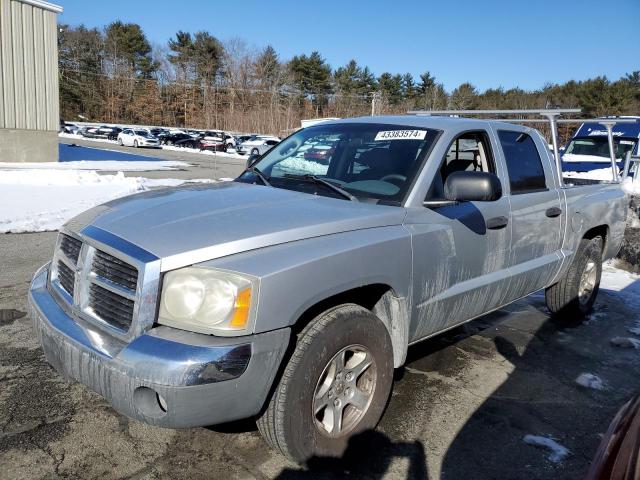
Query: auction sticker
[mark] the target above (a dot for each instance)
(401, 135)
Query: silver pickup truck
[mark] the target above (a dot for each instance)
(292, 293)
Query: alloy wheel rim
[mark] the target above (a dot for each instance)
(344, 391)
(587, 282)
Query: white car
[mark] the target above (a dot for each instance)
(258, 145)
(137, 138)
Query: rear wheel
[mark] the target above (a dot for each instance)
(336, 385)
(120, 142)
(572, 298)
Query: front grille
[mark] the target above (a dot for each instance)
(106, 287)
(115, 270)
(66, 277)
(110, 307)
(70, 247)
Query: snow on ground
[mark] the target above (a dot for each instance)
(44, 199)
(589, 380)
(625, 284)
(558, 452)
(105, 165)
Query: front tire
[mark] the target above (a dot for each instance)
(572, 298)
(336, 384)
(135, 143)
(255, 151)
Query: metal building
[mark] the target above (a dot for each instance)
(29, 118)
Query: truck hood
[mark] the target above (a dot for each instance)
(195, 223)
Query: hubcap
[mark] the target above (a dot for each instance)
(344, 391)
(587, 283)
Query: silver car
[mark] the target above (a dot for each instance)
(291, 294)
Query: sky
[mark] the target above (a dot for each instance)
(490, 43)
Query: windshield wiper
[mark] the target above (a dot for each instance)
(260, 175)
(321, 181)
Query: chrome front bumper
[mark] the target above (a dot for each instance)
(164, 377)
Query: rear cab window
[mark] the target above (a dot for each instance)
(524, 165)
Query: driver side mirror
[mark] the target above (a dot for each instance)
(472, 186)
(252, 159)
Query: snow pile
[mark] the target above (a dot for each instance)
(589, 380)
(42, 200)
(597, 174)
(105, 165)
(631, 186)
(558, 452)
(626, 342)
(625, 284)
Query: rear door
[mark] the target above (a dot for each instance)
(536, 215)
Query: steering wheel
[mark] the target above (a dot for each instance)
(399, 179)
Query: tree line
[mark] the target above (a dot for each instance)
(115, 75)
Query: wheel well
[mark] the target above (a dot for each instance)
(599, 231)
(382, 301)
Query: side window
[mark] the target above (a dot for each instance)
(470, 151)
(523, 162)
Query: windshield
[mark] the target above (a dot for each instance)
(599, 146)
(376, 162)
(143, 133)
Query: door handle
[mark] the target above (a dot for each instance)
(497, 223)
(553, 212)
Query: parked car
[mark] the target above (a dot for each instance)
(588, 148)
(137, 138)
(258, 145)
(113, 133)
(171, 138)
(103, 131)
(67, 127)
(292, 293)
(202, 143)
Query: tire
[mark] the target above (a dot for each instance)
(572, 298)
(135, 143)
(168, 142)
(120, 142)
(255, 151)
(301, 428)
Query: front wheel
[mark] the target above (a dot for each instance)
(336, 385)
(255, 151)
(135, 143)
(572, 298)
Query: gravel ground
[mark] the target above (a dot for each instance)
(460, 408)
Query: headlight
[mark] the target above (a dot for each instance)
(206, 300)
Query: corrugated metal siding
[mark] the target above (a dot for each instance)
(28, 67)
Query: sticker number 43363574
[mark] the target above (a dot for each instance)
(401, 135)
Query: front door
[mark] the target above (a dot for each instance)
(461, 251)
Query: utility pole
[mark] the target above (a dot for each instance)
(375, 100)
